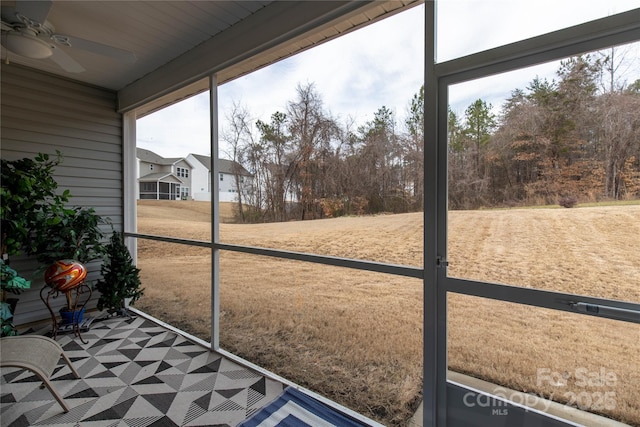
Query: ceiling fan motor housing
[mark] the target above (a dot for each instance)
(26, 43)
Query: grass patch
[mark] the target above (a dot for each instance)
(356, 337)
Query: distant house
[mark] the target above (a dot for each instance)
(186, 178)
(228, 188)
(161, 178)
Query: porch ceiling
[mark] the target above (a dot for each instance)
(182, 38)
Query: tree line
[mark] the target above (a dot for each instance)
(577, 137)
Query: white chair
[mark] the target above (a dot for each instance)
(37, 354)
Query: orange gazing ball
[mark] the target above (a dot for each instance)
(65, 275)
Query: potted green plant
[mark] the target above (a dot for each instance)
(70, 241)
(120, 278)
(70, 234)
(28, 193)
(10, 282)
(36, 221)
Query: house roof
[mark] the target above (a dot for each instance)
(160, 177)
(151, 157)
(225, 166)
(205, 160)
(231, 167)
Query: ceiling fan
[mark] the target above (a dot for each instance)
(27, 33)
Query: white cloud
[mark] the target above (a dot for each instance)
(177, 130)
(470, 26)
(355, 74)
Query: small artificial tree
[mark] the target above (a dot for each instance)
(120, 277)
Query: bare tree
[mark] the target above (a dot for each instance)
(614, 63)
(620, 128)
(238, 138)
(414, 149)
(312, 131)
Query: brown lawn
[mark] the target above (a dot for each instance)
(356, 337)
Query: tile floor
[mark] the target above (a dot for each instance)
(136, 373)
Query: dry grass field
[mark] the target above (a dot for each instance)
(356, 337)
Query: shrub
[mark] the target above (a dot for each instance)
(568, 201)
(332, 207)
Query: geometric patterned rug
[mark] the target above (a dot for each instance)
(135, 373)
(294, 408)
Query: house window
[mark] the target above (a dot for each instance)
(184, 193)
(182, 172)
(147, 186)
(221, 177)
(151, 167)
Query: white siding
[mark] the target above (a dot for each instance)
(44, 113)
(228, 188)
(200, 188)
(146, 168)
(185, 168)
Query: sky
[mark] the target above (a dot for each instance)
(379, 65)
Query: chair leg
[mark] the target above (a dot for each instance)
(55, 393)
(73, 370)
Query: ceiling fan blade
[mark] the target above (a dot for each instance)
(94, 47)
(6, 27)
(36, 11)
(66, 62)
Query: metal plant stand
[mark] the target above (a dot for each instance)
(81, 295)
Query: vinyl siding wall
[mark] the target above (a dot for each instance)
(200, 180)
(44, 113)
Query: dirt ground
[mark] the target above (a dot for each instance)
(356, 337)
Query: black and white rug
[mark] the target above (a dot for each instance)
(136, 373)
